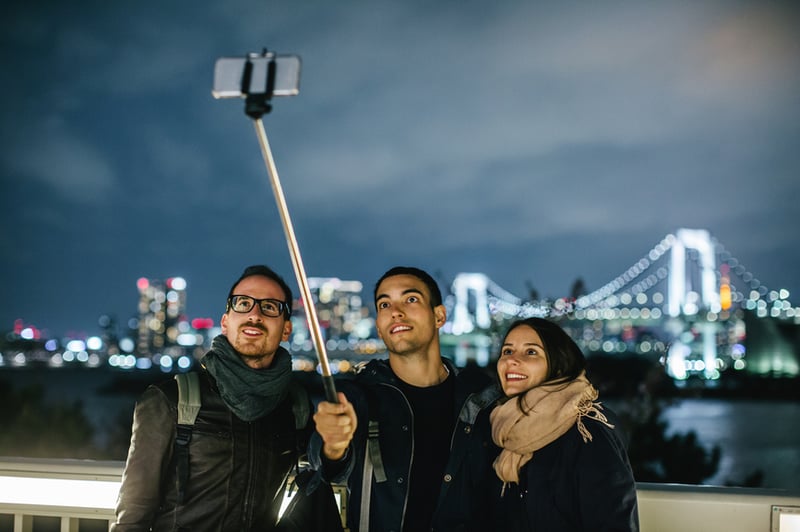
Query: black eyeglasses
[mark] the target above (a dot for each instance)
(271, 308)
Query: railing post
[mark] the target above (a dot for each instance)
(23, 523)
(68, 524)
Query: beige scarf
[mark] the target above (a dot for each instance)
(548, 411)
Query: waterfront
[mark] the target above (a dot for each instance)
(752, 434)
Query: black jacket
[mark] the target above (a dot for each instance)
(237, 469)
(460, 504)
(572, 486)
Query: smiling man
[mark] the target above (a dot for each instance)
(257, 320)
(402, 435)
(227, 471)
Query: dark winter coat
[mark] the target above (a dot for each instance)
(572, 486)
(237, 469)
(461, 503)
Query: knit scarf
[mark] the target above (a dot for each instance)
(249, 393)
(528, 422)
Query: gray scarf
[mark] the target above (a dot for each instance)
(249, 393)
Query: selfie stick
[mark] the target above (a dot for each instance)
(255, 106)
(297, 262)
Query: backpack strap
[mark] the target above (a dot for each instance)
(188, 408)
(373, 463)
(374, 451)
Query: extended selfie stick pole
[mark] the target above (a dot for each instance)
(256, 105)
(297, 262)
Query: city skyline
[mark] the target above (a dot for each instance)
(536, 142)
(705, 271)
(677, 304)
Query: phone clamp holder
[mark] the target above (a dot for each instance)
(257, 103)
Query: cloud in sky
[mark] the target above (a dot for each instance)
(534, 141)
(56, 158)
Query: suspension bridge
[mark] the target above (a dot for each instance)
(688, 300)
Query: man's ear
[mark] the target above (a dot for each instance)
(440, 313)
(223, 323)
(287, 330)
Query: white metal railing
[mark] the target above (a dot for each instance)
(70, 490)
(77, 490)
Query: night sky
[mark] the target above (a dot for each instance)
(537, 142)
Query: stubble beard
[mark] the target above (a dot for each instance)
(406, 348)
(252, 349)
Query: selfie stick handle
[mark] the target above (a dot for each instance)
(297, 262)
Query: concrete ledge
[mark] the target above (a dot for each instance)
(684, 508)
(662, 507)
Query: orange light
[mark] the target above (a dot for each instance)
(725, 296)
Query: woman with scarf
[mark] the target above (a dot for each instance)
(562, 464)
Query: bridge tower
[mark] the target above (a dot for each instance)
(463, 284)
(684, 299)
(682, 296)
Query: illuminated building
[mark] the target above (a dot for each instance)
(343, 317)
(162, 318)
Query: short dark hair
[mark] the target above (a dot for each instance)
(565, 361)
(433, 288)
(269, 273)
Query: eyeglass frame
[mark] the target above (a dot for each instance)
(283, 307)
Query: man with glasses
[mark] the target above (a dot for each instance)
(230, 471)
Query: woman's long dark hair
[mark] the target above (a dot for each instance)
(565, 361)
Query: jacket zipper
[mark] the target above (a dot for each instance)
(248, 495)
(411, 461)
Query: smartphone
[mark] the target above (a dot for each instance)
(229, 75)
